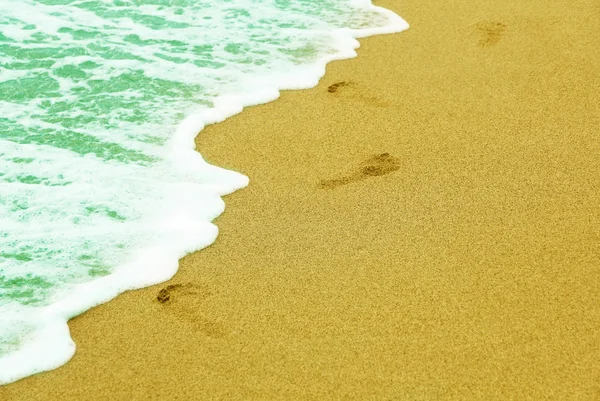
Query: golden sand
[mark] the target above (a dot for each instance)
(426, 228)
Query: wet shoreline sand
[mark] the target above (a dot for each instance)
(425, 224)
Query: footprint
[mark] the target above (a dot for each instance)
(378, 165)
(353, 91)
(490, 32)
(185, 302)
(337, 86)
(164, 295)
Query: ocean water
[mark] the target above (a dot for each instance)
(101, 189)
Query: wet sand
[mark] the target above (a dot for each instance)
(425, 224)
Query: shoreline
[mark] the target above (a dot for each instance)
(106, 289)
(422, 224)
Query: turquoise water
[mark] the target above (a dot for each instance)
(100, 188)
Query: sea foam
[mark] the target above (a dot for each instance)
(101, 190)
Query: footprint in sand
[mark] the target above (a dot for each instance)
(490, 32)
(333, 88)
(377, 165)
(352, 90)
(185, 302)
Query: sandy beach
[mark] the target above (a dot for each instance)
(423, 225)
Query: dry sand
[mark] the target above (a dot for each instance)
(429, 230)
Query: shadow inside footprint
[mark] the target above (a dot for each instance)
(490, 32)
(185, 302)
(377, 165)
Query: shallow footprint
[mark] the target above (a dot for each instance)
(185, 302)
(381, 164)
(490, 32)
(377, 165)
